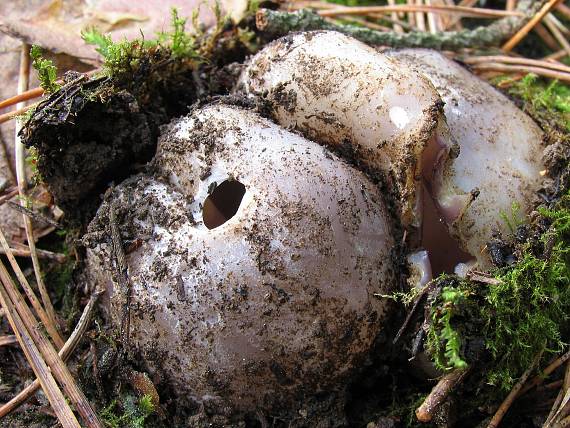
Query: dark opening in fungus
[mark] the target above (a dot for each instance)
(223, 203)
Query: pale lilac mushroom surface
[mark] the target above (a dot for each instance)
(259, 259)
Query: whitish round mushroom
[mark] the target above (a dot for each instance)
(257, 257)
(500, 156)
(339, 91)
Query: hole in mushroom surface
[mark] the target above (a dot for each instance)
(222, 204)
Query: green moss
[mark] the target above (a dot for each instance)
(447, 343)
(540, 96)
(47, 72)
(32, 162)
(127, 56)
(525, 313)
(131, 413)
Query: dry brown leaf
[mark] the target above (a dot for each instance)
(56, 24)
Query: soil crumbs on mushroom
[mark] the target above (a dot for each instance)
(107, 128)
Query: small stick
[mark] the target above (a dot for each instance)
(13, 114)
(537, 380)
(521, 34)
(523, 69)
(64, 353)
(122, 277)
(6, 197)
(420, 19)
(454, 19)
(556, 55)
(42, 254)
(515, 60)
(546, 37)
(557, 34)
(431, 19)
(24, 96)
(563, 9)
(506, 404)
(8, 339)
(438, 394)
(34, 215)
(483, 278)
(279, 23)
(57, 366)
(31, 94)
(558, 24)
(36, 361)
(511, 5)
(22, 185)
(397, 27)
(52, 331)
(465, 11)
(411, 15)
(6, 153)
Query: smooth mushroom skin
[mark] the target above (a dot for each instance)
(338, 91)
(500, 156)
(275, 304)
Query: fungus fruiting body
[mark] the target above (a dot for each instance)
(261, 253)
(341, 92)
(274, 303)
(497, 170)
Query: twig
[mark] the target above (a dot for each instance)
(64, 353)
(42, 254)
(438, 394)
(8, 339)
(563, 9)
(31, 94)
(507, 47)
(556, 55)
(22, 184)
(397, 27)
(276, 23)
(122, 277)
(455, 20)
(24, 96)
(506, 404)
(8, 195)
(35, 359)
(40, 311)
(558, 408)
(523, 69)
(53, 360)
(432, 20)
(557, 33)
(465, 11)
(511, 4)
(483, 278)
(537, 380)
(34, 215)
(13, 114)
(514, 60)
(428, 288)
(9, 162)
(546, 37)
(420, 18)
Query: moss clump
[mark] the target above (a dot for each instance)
(47, 72)
(526, 312)
(444, 339)
(131, 413)
(127, 57)
(548, 103)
